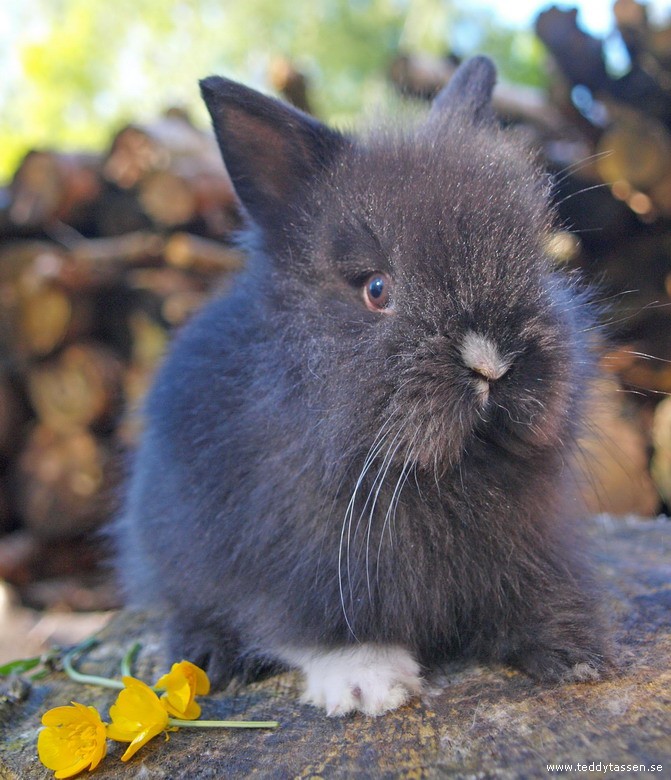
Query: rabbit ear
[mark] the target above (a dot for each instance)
(469, 91)
(270, 148)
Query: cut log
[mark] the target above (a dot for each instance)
(149, 340)
(171, 198)
(98, 261)
(89, 263)
(636, 149)
(581, 58)
(49, 318)
(472, 719)
(24, 558)
(138, 248)
(661, 440)
(612, 459)
(176, 295)
(290, 83)
(79, 388)
(78, 591)
(6, 514)
(48, 186)
(140, 149)
(37, 312)
(178, 173)
(63, 483)
(422, 76)
(18, 553)
(13, 416)
(202, 255)
(137, 381)
(167, 198)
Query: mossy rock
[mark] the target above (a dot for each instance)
(473, 721)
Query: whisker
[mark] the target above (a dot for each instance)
(598, 301)
(566, 172)
(645, 355)
(644, 392)
(382, 475)
(568, 197)
(377, 477)
(652, 305)
(375, 447)
(390, 515)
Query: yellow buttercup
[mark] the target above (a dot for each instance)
(74, 739)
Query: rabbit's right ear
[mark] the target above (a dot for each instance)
(271, 150)
(469, 92)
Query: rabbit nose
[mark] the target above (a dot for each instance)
(484, 358)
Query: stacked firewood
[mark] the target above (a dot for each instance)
(101, 257)
(603, 129)
(617, 93)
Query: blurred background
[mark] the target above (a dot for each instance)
(117, 216)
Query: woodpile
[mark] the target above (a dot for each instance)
(101, 257)
(604, 130)
(618, 202)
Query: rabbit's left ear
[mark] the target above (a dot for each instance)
(271, 150)
(468, 92)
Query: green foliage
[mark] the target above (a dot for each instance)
(42, 663)
(19, 666)
(81, 68)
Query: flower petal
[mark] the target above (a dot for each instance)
(50, 749)
(72, 740)
(72, 770)
(137, 716)
(202, 682)
(181, 684)
(66, 715)
(140, 740)
(192, 712)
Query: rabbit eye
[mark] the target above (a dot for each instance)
(376, 292)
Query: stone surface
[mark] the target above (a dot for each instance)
(473, 722)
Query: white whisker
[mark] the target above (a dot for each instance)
(380, 479)
(569, 170)
(375, 447)
(581, 192)
(390, 515)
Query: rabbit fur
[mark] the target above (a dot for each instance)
(357, 461)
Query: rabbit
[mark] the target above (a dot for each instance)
(356, 462)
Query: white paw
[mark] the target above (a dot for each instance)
(582, 672)
(366, 678)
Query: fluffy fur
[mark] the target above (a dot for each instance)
(319, 476)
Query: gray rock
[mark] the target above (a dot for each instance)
(473, 722)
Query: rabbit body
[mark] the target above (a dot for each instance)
(365, 486)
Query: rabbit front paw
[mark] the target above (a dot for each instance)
(366, 678)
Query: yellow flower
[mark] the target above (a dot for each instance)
(73, 739)
(137, 716)
(181, 684)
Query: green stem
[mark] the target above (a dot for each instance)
(129, 660)
(228, 724)
(91, 679)
(126, 663)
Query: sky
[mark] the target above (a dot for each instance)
(595, 15)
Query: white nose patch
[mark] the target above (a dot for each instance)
(481, 355)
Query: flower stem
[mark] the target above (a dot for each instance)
(129, 660)
(228, 724)
(91, 679)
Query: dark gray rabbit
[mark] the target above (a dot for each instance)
(357, 461)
